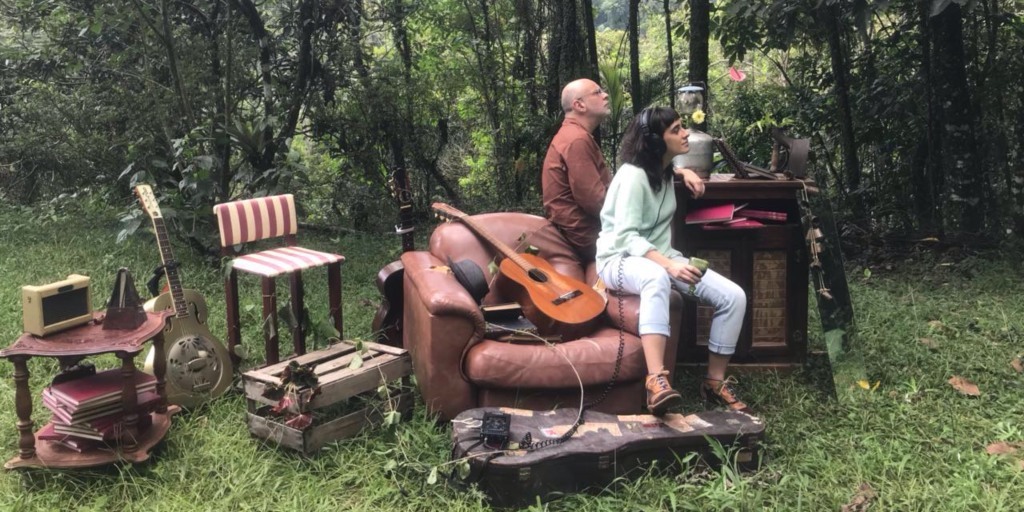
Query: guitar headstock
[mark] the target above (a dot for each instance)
(148, 200)
(446, 212)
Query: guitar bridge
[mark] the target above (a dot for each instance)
(565, 297)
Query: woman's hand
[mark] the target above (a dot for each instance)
(684, 272)
(692, 181)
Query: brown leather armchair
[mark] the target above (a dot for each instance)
(457, 368)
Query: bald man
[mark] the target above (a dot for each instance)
(575, 177)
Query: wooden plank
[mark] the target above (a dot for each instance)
(395, 351)
(340, 389)
(324, 370)
(318, 355)
(315, 437)
(275, 432)
(339, 386)
(351, 424)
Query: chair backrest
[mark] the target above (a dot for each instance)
(256, 219)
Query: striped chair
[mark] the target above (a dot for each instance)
(251, 220)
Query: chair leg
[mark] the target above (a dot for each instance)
(270, 337)
(231, 307)
(298, 312)
(334, 293)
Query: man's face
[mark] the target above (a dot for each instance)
(595, 101)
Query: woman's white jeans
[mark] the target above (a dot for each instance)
(652, 283)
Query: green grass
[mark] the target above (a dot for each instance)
(917, 442)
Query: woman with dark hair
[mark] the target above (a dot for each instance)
(634, 254)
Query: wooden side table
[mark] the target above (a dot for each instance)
(70, 347)
(769, 262)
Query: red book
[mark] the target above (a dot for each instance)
(763, 214)
(79, 444)
(718, 213)
(48, 434)
(103, 387)
(145, 399)
(108, 428)
(743, 224)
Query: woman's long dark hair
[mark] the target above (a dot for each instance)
(644, 147)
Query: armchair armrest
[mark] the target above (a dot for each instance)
(440, 323)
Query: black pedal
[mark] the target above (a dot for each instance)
(495, 429)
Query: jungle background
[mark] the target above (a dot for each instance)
(914, 108)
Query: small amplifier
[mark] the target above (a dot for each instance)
(56, 306)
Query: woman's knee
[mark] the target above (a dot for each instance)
(735, 297)
(728, 295)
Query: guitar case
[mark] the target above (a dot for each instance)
(604, 448)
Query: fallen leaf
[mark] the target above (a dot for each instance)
(864, 384)
(964, 386)
(935, 325)
(928, 342)
(1001, 448)
(1017, 364)
(862, 500)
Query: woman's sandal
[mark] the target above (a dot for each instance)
(722, 393)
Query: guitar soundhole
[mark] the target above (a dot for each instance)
(537, 275)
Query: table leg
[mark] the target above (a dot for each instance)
(23, 406)
(130, 436)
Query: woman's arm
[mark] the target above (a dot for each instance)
(684, 272)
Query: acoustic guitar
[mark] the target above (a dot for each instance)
(198, 365)
(387, 323)
(548, 298)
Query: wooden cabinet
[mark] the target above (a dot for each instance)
(769, 262)
(69, 347)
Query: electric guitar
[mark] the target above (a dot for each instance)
(198, 365)
(387, 323)
(547, 297)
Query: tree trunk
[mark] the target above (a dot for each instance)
(829, 17)
(589, 30)
(670, 61)
(554, 87)
(634, 57)
(926, 176)
(958, 151)
(700, 31)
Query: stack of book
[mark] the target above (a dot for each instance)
(505, 322)
(89, 411)
(732, 216)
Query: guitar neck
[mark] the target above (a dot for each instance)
(406, 228)
(170, 268)
(505, 250)
(402, 192)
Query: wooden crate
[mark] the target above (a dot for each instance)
(338, 382)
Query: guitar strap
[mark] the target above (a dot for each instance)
(153, 285)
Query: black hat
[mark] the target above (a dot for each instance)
(471, 277)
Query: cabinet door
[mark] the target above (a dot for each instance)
(769, 264)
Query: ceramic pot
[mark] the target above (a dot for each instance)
(699, 158)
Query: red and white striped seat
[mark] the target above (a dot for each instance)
(283, 260)
(251, 220)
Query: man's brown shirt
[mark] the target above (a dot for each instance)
(574, 181)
